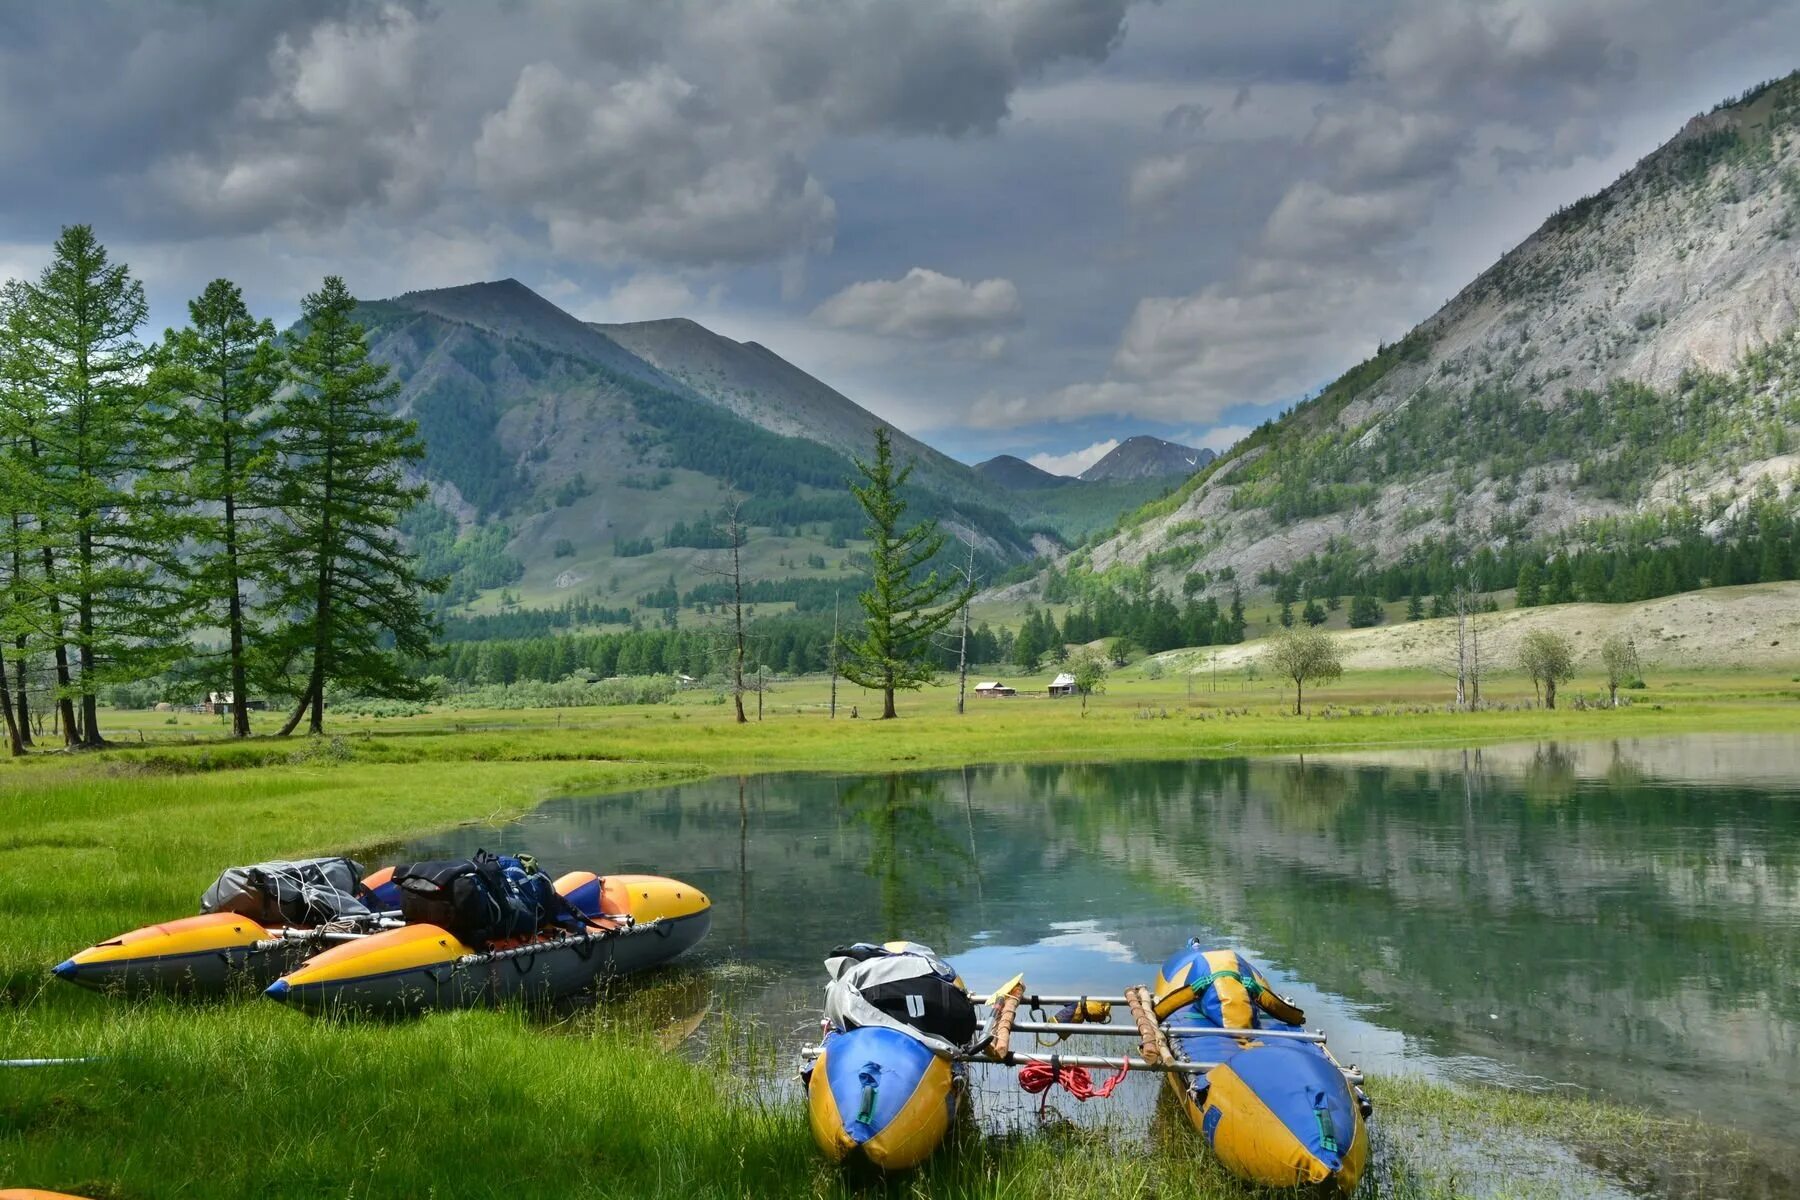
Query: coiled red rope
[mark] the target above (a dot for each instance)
(1039, 1077)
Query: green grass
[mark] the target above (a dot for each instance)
(239, 1098)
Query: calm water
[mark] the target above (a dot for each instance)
(1619, 918)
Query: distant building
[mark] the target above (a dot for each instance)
(1063, 685)
(994, 688)
(219, 704)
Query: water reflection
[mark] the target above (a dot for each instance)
(1623, 917)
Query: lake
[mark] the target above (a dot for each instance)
(1618, 918)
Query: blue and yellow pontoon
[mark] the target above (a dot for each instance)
(1276, 1108)
(883, 1087)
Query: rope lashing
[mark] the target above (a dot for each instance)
(1038, 1078)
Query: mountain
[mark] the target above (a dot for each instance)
(753, 382)
(1015, 474)
(1145, 457)
(563, 464)
(1623, 384)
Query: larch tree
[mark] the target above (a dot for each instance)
(343, 585)
(22, 410)
(903, 609)
(109, 537)
(217, 378)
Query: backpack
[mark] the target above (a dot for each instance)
(908, 987)
(483, 899)
(309, 891)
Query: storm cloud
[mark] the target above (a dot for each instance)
(1020, 225)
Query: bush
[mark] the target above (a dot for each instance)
(575, 691)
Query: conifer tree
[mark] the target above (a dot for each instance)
(216, 378)
(109, 541)
(341, 579)
(903, 610)
(23, 607)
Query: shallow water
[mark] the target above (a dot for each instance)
(1621, 918)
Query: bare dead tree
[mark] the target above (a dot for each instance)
(732, 569)
(962, 650)
(1463, 660)
(834, 654)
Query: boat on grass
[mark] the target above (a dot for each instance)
(626, 923)
(256, 924)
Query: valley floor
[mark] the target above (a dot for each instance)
(248, 1098)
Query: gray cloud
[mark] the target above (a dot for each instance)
(1211, 208)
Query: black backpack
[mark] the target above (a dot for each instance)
(473, 898)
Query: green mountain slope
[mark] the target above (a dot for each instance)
(753, 382)
(565, 467)
(1627, 378)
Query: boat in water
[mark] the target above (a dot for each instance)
(625, 923)
(884, 1085)
(256, 924)
(1276, 1108)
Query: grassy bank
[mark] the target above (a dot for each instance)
(236, 1098)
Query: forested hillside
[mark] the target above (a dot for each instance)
(563, 466)
(1609, 412)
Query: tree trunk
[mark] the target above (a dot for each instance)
(14, 744)
(23, 717)
(1613, 690)
(294, 720)
(834, 654)
(234, 617)
(1297, 697)
(1549, 693)
(65, 707)
(84, 621)
(887, 700)
(24, 703)
(737, 610)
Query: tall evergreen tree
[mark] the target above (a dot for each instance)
(341, 578)
(217, 378)
(109, 542)
(903, 610)
(21, 418)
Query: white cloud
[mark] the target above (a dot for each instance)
(1075, 461)
(1219, 438)
(922, 304)
(646, 296)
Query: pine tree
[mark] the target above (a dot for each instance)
(903, 611)
(343, 581)
(1415, 608)
(24, 608)
(1530, 586)
(109, 541)
(1237, 623)
(216, 378)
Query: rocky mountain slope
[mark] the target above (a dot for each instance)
(1632, 362)
(1145, 457)
(562, 463)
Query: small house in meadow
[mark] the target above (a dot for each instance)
(1063, 685)
(993, 688)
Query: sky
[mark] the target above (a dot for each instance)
(1033, 227)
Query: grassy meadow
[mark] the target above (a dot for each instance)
(237, 1097)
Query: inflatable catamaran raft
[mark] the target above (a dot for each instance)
(429, 935)
(1265, 1094)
